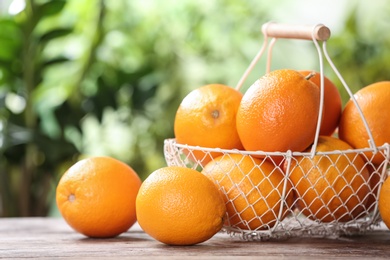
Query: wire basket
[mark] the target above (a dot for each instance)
(271, 205)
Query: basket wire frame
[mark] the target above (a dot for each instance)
(296, 224)
(288, 219)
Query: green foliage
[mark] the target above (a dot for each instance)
(83, 78)
(28, 154)
(360, 51)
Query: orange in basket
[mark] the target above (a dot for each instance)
(332, 103)
(207, 117)
(256, 193)
(374, 102)
(332, 187)
(279, 113)
(375, 173)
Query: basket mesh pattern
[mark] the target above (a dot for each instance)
(274, 195)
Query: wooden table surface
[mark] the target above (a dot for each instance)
(52, 238)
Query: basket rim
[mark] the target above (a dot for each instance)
(173, 142)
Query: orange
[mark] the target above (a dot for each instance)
(332, 103)
(331, 187)
(96, 196)
(374, 102)
(384, 202)
(253, 190)
(207, 117)
(179, 206)
(279, 112)
(375, 173)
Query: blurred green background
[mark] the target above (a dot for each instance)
(92, 77)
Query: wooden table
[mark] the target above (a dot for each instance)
(52, 238)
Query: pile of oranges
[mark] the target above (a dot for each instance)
(291, 149)
(278, 115)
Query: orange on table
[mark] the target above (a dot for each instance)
(96, 196)
(374, 102)
(179, 206)
(384, 202)
(332, 103)
(253, 189)
(206, 117)
(279, 113)
(332, 187)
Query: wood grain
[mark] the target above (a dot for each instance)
(52, 238)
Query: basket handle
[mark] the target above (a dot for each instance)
(305, 32)
(315, 33)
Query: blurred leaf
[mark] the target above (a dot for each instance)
(13, 135)
(53, 34)
(8, 50)
(106, 97)
(4, 63)
(55, 60)
(10, 30)
(68, 115)
(50, 8)
(10, 39)
(144, 90)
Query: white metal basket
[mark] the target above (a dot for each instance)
(295, 218)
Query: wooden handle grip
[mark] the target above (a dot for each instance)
(304, 32)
